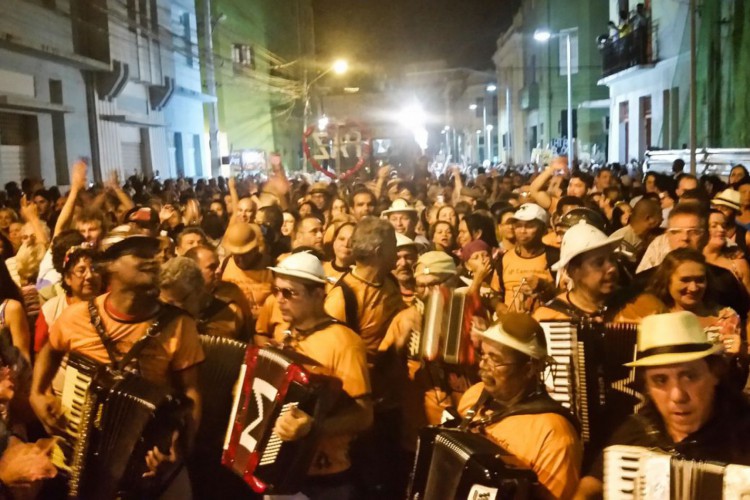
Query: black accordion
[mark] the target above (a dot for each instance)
(114, 419)
(442, 336)
(273, 381)
(589, 377)
(632, 472)
(217, 377)
(452, 464)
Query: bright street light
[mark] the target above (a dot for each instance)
(340, 66)
(489, 128)
(542, 35)
(491, 87)
(472, 107)
(323, 123)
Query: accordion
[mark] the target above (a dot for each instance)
(273, 381)
(442, 336)
(114, 419)
(452, 464)
(217, 377)
(589, 377)
(631, 472)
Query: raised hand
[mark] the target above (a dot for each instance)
(29, 210)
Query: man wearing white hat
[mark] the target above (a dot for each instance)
(403, 217)
(525, 271)
(511, 407)
(591, 279)
(299, 288)
(728, 202)
(692, 410)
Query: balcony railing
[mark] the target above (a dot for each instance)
(626, 52)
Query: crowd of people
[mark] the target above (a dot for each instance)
(341, 272)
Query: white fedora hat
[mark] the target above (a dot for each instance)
(302, 265)
(404, 241)
(728, 198)
(667, 339)
(399, 205)
(579, 239)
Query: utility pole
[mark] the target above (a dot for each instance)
(693, 89)
(213, 107)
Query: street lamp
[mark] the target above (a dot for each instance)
(543, 36)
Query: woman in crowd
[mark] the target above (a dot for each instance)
(680, 283)
(339, 207)
(477, 226)
(337, 242)
(718, 253)
(443, 236)
(81, 281)
(448, 214)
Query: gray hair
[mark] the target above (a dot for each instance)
(369, 236)
(181, 276)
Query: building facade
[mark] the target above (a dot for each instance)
(262, 52)
(532, 80)
(115, 82)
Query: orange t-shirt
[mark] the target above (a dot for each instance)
(376, 307)
(270, 322)
(176, 348)
(547, 443)
(255, 284)
(341, 353)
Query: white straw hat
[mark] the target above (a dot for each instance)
(399, 205)
(531, 211)
(579, 239)
(667, 339)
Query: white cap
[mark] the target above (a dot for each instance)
(404, 241)
(579, 239)
(531, 211)
(302, 265)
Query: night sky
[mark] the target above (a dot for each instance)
(394, 32)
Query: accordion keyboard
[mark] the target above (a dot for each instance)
(273, 447)
(621, 465)
(559, 378)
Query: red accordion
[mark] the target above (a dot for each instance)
(273, 381)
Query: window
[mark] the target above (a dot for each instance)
(132, 15)
(187, 43)
(243, 55)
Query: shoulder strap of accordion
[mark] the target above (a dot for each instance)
(536, 404)
(466, 421)
(350, 303)
(165, 316)
(561, 306)
(96, 322)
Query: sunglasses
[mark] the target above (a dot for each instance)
(287, 293)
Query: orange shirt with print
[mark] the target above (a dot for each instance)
(255, 284)
(546, 443)
(176, 348)
(341, 354)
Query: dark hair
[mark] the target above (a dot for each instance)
(213, 225)
(568, 201)
(43, 193)
(478, 222)
(584, 177)
(361, 190)
(659, 283)
(692, 209)
(61, 244)
(73, 257)
(462, 208)
(433, 228)
(274, 217)
(8, 287)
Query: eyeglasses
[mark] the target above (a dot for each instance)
(80, 272)
(287, 293)
(494, 362)
(690, 231)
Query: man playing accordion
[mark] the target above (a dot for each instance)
(299, 287)
(692, 410)
(512, 408)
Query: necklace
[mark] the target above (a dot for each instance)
(598, 312)
(360, 278)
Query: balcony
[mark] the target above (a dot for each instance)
(631, 50)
